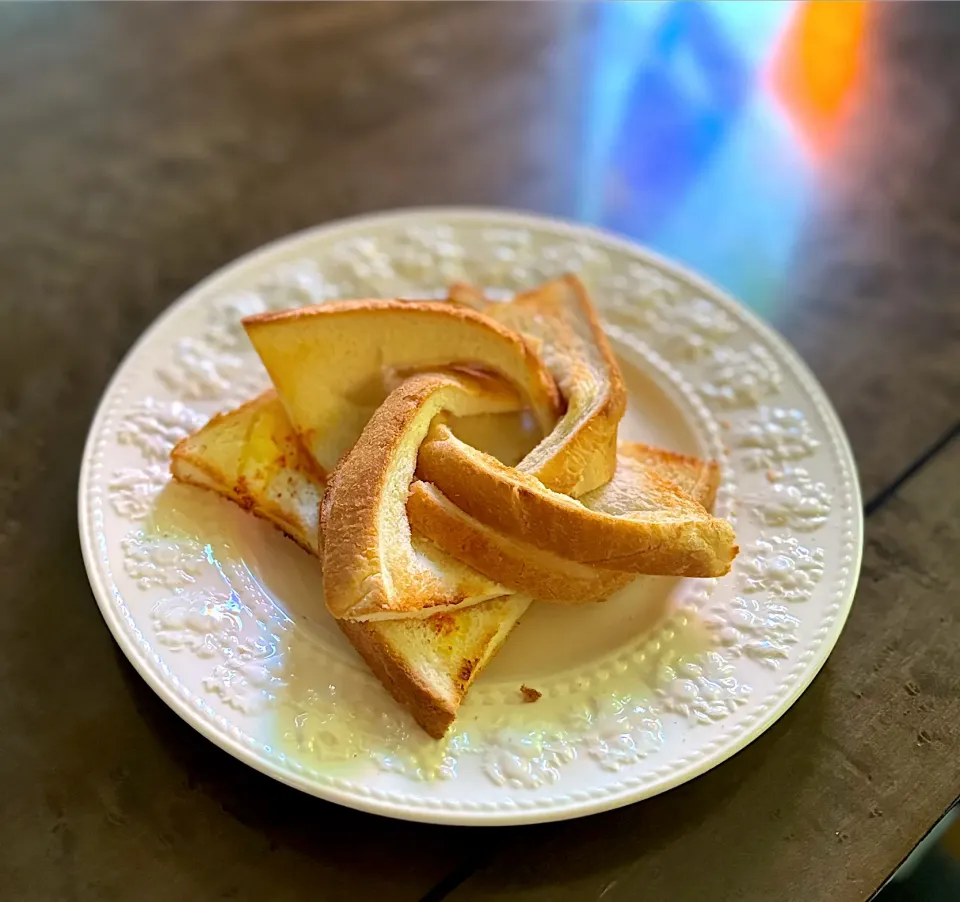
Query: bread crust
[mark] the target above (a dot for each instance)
(519, 566)
(370, 566)
(666, 534)
(579, 454)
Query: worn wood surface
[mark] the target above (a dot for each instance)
(142, 146)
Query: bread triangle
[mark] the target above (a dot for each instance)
(252, 456)
(330, 363)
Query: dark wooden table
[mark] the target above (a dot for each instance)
(809, 165)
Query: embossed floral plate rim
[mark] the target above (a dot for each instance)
(361, 796)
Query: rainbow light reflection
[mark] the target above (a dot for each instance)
(700, 122)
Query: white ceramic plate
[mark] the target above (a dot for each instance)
(223, 617)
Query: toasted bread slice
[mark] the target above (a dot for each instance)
(700, 479)
(467, 295)
(373, 568)
(580, 453)
(328, 363)
(428, 665)
(648, 526)
(252, 456)
(545, 575)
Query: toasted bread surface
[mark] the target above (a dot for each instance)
(252, 457)
(329, 363)
(699, 478)
(373, 567)
(428, 664)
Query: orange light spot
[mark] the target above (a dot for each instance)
(817, 64)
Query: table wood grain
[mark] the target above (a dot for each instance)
(142, 146)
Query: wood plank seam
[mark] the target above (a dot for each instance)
(903, 861)
(457, 877)
(886, 493)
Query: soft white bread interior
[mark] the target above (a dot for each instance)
(331, 363)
